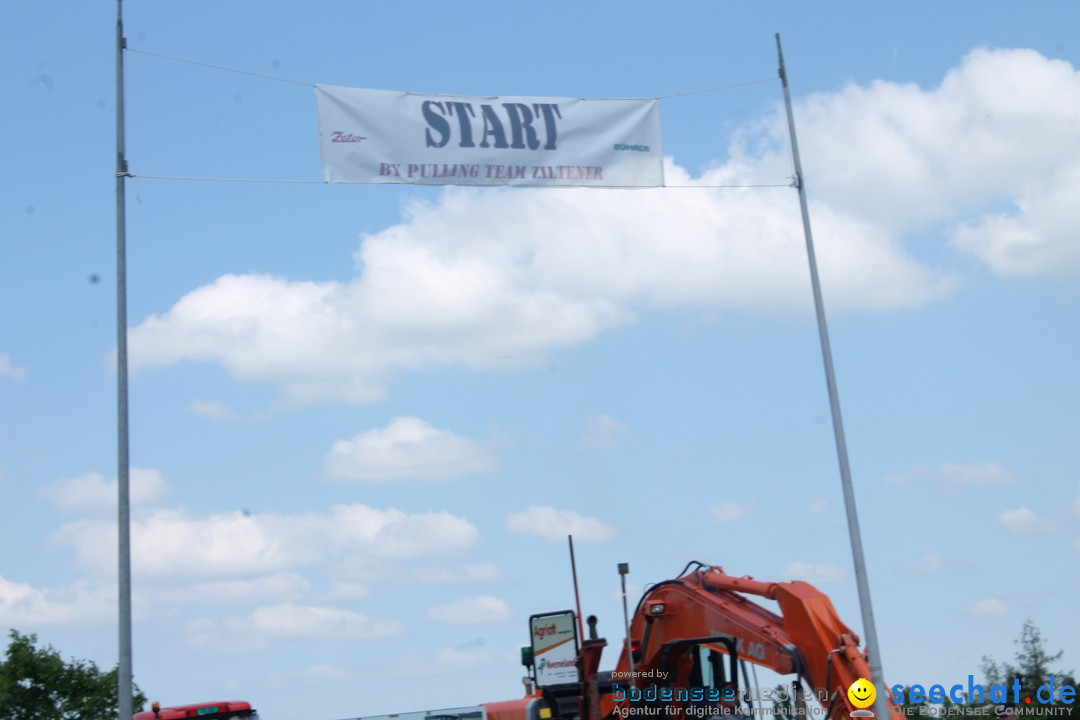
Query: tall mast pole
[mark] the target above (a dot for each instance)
(861, 582)
(124, 679)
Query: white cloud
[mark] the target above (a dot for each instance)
(989, 608)
(489, 279)
(478, 572)
(730, 511)
(408, 448)
(23, 605)
(322, 674)
(8, 370)
(471, 610)
(953, 478)
(1029, 239)
(288, 620)
(552, 524)
(1025, 522)
(350, 591)
(447, 661)
(928, 564)
(498, 278)
(1076, 545)
(601, 431)
(90, 491)
(998, 129)
(907, 477)
(817, 506)
(265, 624)
(278, 586)
(978, 474)
(212, 409)
(169, 543)
(814, 573)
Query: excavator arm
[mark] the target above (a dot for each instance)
(806, 637)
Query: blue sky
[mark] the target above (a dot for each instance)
(357, 458)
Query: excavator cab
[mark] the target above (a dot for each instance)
(708, 671)
(696, 679)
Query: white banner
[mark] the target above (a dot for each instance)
(375, 136)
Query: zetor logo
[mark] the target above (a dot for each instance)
(542, 631)
(344, 137)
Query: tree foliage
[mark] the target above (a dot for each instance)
(1032, 667)
(36, 684)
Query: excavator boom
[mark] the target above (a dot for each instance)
(806, 637)
(679, 633)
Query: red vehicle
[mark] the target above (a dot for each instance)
(203, 711)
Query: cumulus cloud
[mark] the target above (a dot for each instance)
(928, 564)
(490, 278)
(279, 586)
(998, 130)
(90, 491)
(9, 370)
(814, 573)
(170, 543)
(477, 572)
(345, 590)
(212, 410)
(729, 511)
(953, 478)
(408, 448)
(257, 630)
(471, 610)
(288, 620)
(322, 674)
(979, 474)
(447, 661)
(23, 605)
(601, 431)
(989, 608)
(496, 279)
(1025, 522)
(552, 524)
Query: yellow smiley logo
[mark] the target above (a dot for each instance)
(862, 693)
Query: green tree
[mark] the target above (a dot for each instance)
(1033, 668)
(36, 684)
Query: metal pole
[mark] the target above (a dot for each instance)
(861, 582)
(624, 568)
(577, 597)
(124, 674)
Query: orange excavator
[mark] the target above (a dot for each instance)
(675, 664)
(687, 639)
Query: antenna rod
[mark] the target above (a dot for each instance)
(624, 569)
(863, 585)
(577, 598)
(124, 673)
